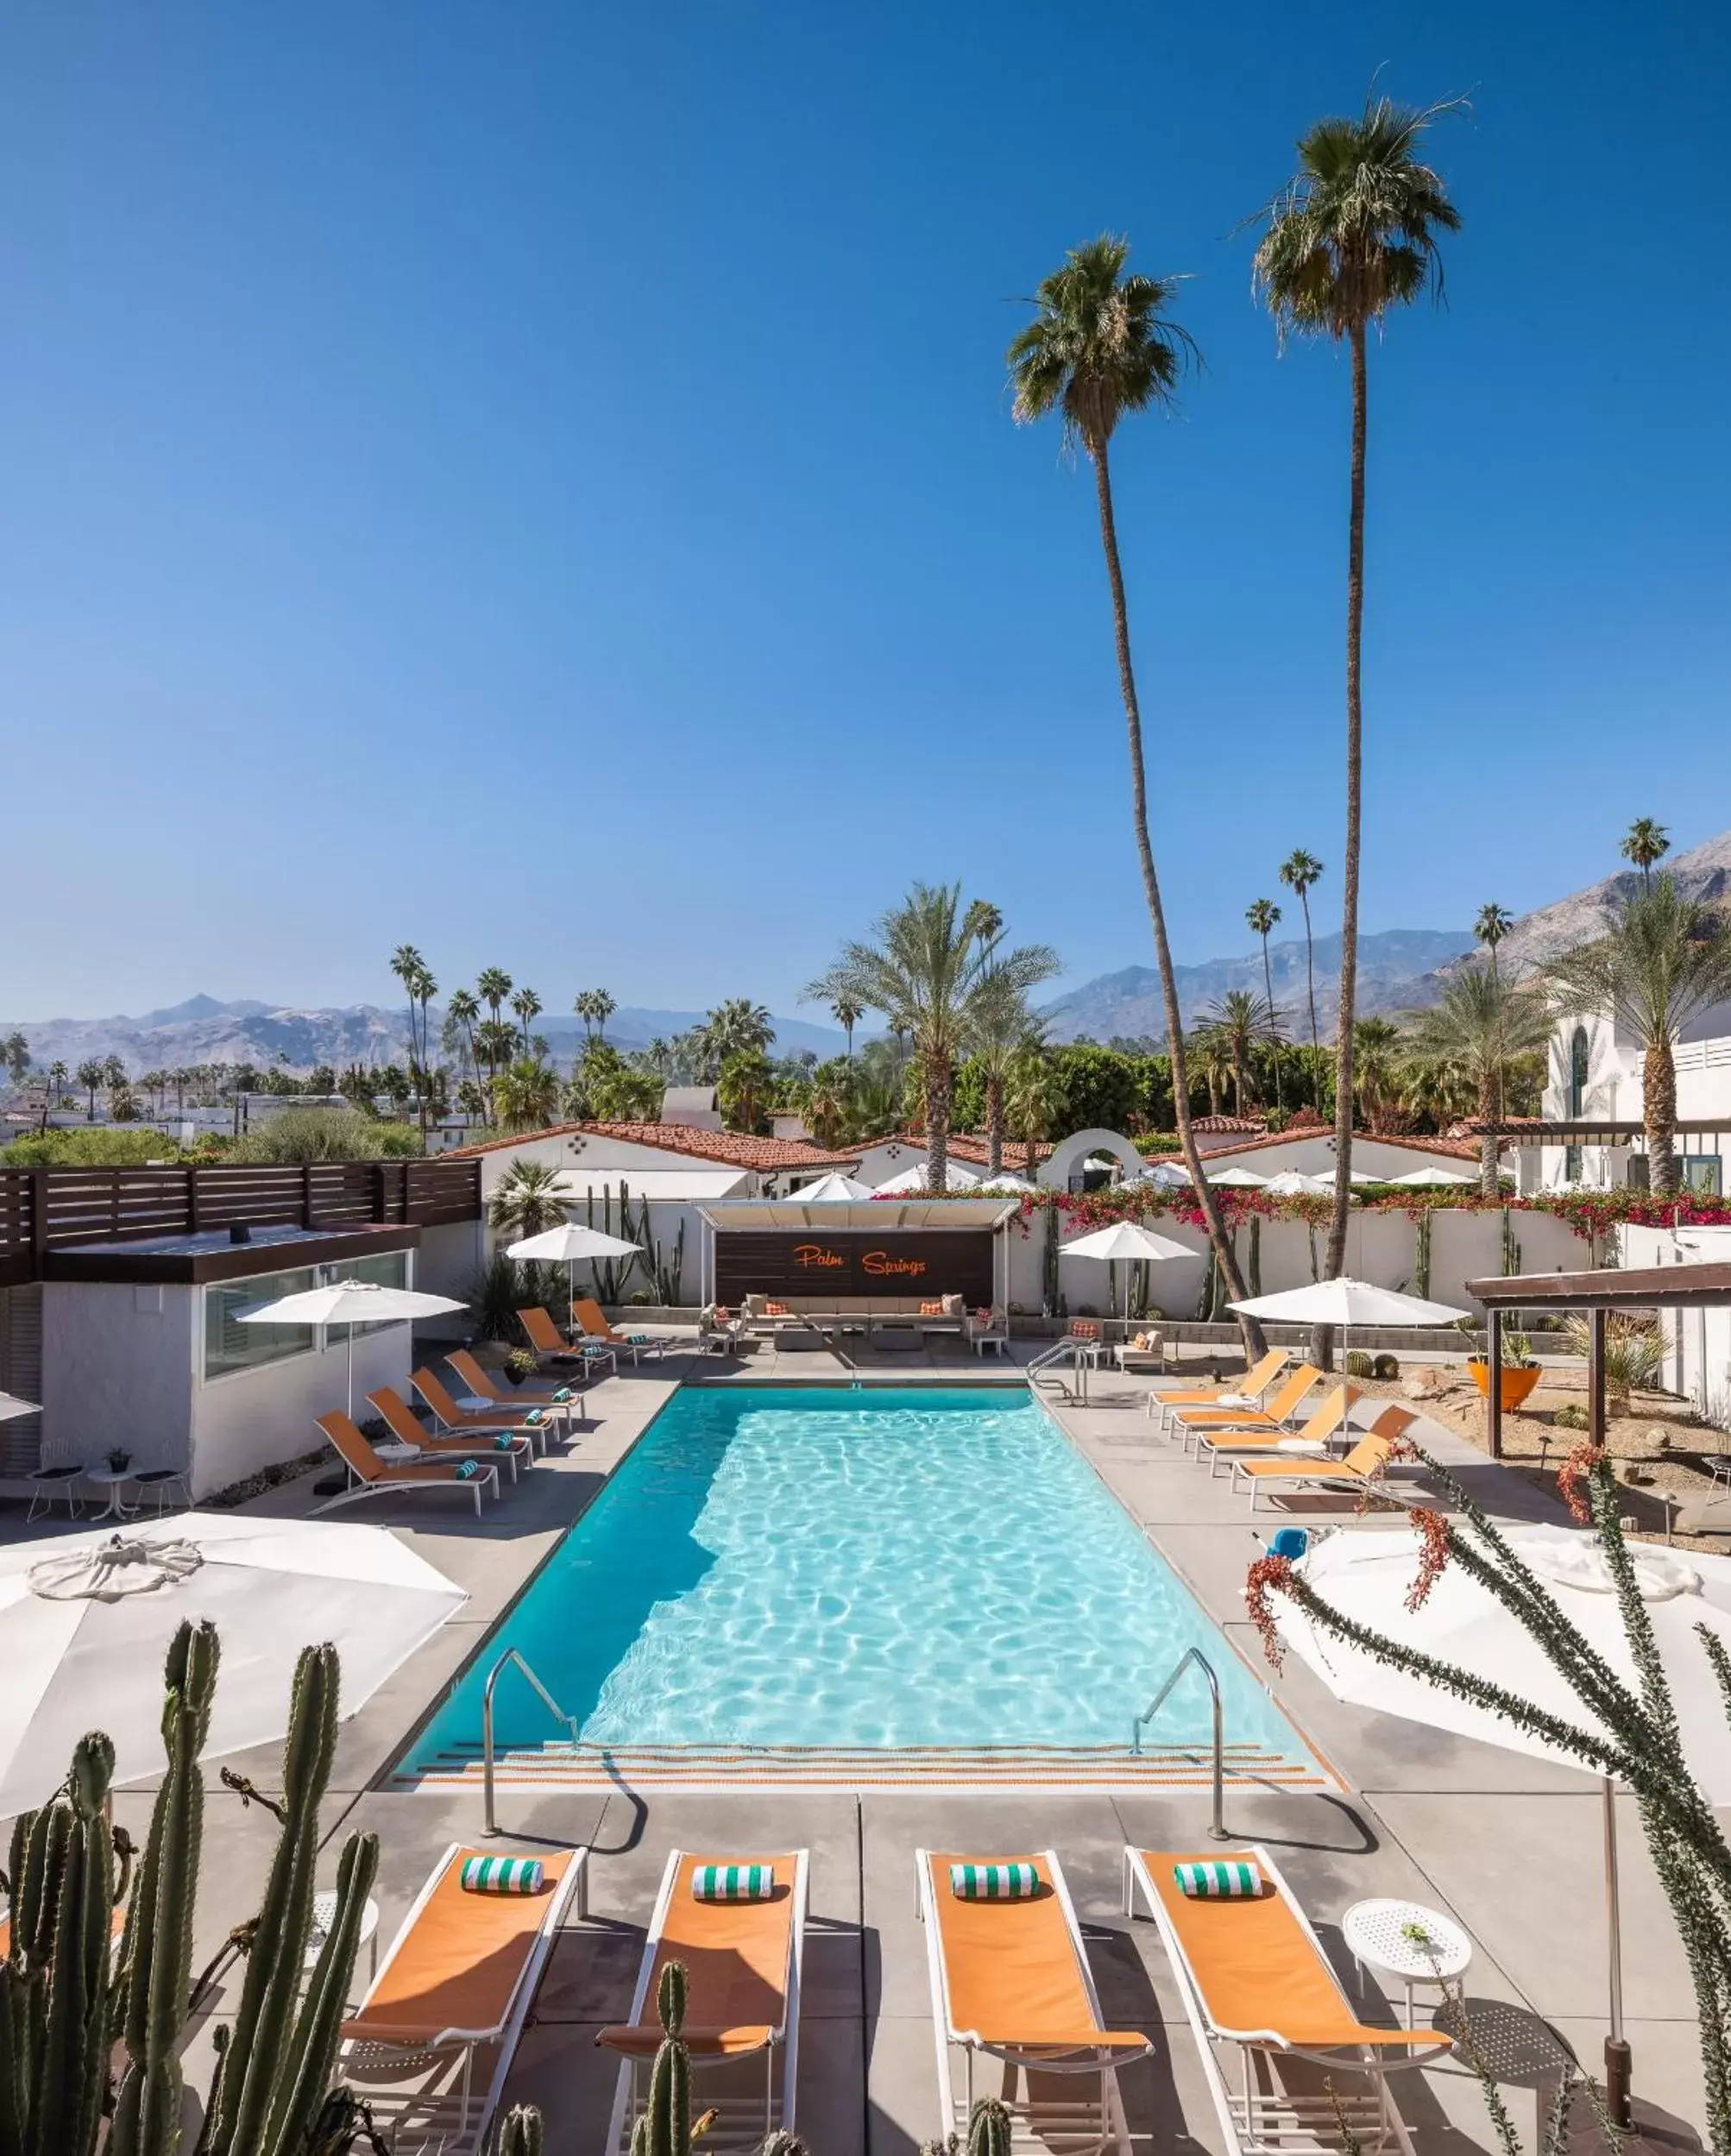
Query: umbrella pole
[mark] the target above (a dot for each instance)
(350, 1330)
(1618, 2059)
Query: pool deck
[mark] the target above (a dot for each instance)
(1511, 1847)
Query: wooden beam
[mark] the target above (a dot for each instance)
(1596, 1381)
(1494, 1395)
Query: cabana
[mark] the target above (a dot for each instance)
(850, 1263)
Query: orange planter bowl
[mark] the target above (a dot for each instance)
(1516, 1384)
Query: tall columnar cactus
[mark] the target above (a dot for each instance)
(520, 2135)
(275, 2067)
(988, 2133)
(664, 2128)
(54, 1989)
(156, 1951)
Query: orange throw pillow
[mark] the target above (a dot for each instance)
(776, 1309)
(932, 1309)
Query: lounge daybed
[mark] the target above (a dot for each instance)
(773, 1314)
(1254, 1978)
(742, 1967)
(1010, 1982)
(440, 2023)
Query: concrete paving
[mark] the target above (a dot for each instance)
(1508, 1846)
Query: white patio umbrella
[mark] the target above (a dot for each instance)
(1290, 1184)
(1006, 1185)
(1432, 1179)
(959, 1178)
(572, 1243)
(1123, 1239)
(830, 1189)
(1238, 1179)
(11, 1407)
(1348, 1303)
(350, 1303)
(86, 1621)
(1366, 1576)
(1171, 1175)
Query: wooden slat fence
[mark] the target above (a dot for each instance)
(40, 1208)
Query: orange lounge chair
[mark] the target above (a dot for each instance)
(375, 1476)
(485, 1386)
(588, 1313)
(1362, 1468)
(1248, 1391)
(1310, 1436)
(742, 1964)
(1010, 1981)
(452, 1995)
(477, 1444)
(1252, 1975)
(1284, 1404)
(453, 1418)
(550, 1344)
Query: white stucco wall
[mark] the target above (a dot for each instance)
(1698, 1341)
(124, 1365)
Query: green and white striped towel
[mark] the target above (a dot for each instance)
(733, 1882)
(994, 1883)
(562, 1396)
(503, 1875)
(504, 1441)
(534, 1418)
(467, 1470)
(1216, 1881)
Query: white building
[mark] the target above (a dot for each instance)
(1597, 1096)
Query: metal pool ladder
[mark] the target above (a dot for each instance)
(552, 1707)
(1218, 1831)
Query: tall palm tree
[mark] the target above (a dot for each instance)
(743, 1089)
(527, 1005)
(1355, 233)
(1001, 1028)
(604, 1006)
(525, 1200)
(736, 1027)
(493, 987)
(1663, 961)
(1645, 843)
(527, 1095)
(1492, 927)
(848, 1016)
(927, 969)
(1240, 1023)
(1300, 872)
(1103, 344)
(1033, 1101)
(1262, 917)
(1477, 1030)
(1374, 1053)
(90, 1074)
(461, 1015)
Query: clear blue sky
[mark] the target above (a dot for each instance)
(537, 481)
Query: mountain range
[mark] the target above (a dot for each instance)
(1399, 969)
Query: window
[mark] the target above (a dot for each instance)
(1700, 1174)
(391, 1269)
(1640, 1174)
(1572, 1157)
(1577, 1072)
(230, 1345)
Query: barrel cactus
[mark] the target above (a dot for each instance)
(520, 2135)
(988, 2133)
(1359, 1364)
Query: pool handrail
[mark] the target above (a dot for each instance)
(1218, 1831)
(551, 1705)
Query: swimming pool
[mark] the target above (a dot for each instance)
(835, 1568)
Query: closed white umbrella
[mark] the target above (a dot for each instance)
(1431, 1178)
(572, 1243)
(1348, 1303)
(1290, 1184)
(1367, 1577)
(86, 1621)
(830, 1189)
(1238, 1179)
(350, 1303)
(1170, 1175)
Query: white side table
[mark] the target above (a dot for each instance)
(325, 1915)
(114, 1481)
(1383, 1935)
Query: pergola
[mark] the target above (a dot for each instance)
(1682, 1287)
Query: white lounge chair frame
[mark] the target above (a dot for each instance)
(1097, 2121)
(453, 2120)
(471, 1485)
(631, 2092)
(1270, 2120)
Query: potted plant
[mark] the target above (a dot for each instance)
(1520, 1371)
(519, 1365)
(117, 1459)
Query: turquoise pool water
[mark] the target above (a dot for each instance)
(840, 1567)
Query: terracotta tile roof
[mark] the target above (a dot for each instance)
(1246, 1123)
(971, 1146)
(1451, 1148)
(732, 1148)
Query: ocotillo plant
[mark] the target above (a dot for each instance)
(1628, 1730)
(54, 1987)
(156, 1951)
(274, 2069)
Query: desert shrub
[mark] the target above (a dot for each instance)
(298, 1135)
(94, 1147)
(1634, 1351)
(1386, 1367)
(1570, 1415)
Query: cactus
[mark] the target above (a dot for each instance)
(274, 2071)
(782, 2144)
(1254, 1271)
(1359, 1364)
(1386, 1367)
(520, 2135)
(988, 2133)
(1421, 1252)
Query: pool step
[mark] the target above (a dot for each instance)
(555, 1766)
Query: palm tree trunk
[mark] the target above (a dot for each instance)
(1309, 968)
(937, 1121)
(1269, 988)
(994, 1124)
(1219, 1241)
(1238, 1083)
(1348, 909)
(1659, 1113)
